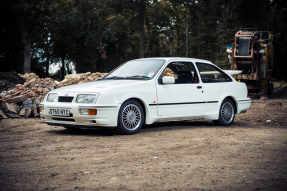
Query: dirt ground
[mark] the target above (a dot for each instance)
(192, 155)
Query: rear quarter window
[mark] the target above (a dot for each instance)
(211, 74)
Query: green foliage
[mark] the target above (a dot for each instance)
(99, 35)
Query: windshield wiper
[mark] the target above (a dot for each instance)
(138, 76)
(116, 77)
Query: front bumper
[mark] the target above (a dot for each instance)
(107, 116)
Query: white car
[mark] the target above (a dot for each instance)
(149, 90)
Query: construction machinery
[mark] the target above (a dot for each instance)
(252, 52)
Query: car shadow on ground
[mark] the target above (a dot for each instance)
(159, 126)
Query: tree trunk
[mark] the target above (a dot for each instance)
(27, 55)
(26, 40)
(48, 65)
(149, 53)
(186, 36)
(63, 66)
(142, 39)
(177, 33)
(170, 41)
(48, 58)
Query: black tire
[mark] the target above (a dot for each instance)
(270, 89)
(130, 118)
(226, 113)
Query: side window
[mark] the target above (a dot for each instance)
(211, 74)
(183, 72)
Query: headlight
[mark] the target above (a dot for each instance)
(52, 97)
(86, 98)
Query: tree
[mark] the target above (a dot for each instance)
(279, 28)
(11, 46)
(30, 16)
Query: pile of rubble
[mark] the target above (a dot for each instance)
(81, 78)
(29, 76)
(24, 98)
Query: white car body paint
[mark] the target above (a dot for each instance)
(161, 102)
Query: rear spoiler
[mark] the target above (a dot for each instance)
(232, 72)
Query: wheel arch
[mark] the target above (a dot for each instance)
(233, 101)
(141, 102)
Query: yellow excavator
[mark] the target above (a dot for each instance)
(252, 53)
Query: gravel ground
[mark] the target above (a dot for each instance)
(191, 155)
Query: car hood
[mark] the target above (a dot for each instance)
(97, 86)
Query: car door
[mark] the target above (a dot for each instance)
(185, 97)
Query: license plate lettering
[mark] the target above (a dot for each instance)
(61, 112)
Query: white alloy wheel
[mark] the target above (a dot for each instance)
(226, 113)
(130, 118)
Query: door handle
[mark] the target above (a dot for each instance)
(199, 87)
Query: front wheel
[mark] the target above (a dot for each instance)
(130, 118)
(226, 113)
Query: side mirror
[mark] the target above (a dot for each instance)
(168, 80)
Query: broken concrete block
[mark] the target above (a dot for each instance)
(7, 97)
(34, 110)
(18, 99)
(90, 78)
(9, 108)
(3, 115)
(22, 112)
(39, 90)
(17, 93)
(28, 103)
(41, 98)
(31, 81)
(37, 101)
(12, 115)
(17, 108)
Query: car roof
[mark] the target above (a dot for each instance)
(176, 59)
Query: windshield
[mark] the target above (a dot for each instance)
(139, 69)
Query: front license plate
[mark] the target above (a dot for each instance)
(57, 111)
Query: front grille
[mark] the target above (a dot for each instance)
(65, 99)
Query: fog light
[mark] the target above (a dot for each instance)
(92, 112)
(84, 111)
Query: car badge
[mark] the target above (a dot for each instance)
(66, 94)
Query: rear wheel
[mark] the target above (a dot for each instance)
(226, 113)
(130, 118)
